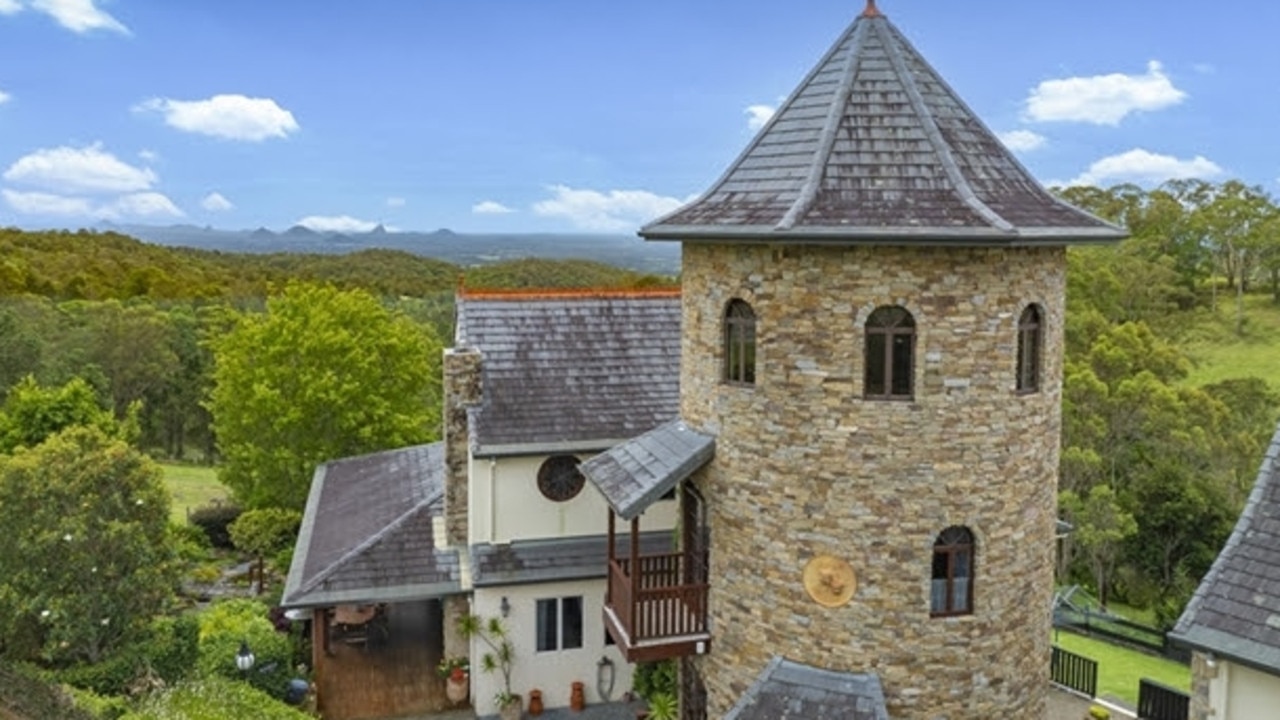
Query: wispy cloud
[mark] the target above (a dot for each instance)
(336, 223)
(140, 205)
(143, 205)
(759, 115)
(1142, 166)
(1022, 140)
(232, 117)
(614, 210)
(9, 7)
(78, 16)
(4, 97)
(75, 170)
(39, 203)
(395, 202)
(491, 207)
(215, 202)
(1102, 99)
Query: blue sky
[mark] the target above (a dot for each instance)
(569, 115)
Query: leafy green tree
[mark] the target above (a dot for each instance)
(1100, 527)
(32, 413)
(229, 623)
(264, 532)
(323, 374)
(85, 557)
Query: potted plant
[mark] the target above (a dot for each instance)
(498, 658)
(456, 672)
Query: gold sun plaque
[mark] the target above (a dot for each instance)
(829, 581)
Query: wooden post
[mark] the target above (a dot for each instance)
(635, 578)
(613, 553)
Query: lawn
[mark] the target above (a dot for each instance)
(1120, 669)
(1219, 354)
(192, 486)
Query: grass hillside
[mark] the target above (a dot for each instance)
(1219, 354)
(192, 486)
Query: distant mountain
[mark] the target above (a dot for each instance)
(626, 251)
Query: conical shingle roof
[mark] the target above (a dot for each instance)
(875, 148)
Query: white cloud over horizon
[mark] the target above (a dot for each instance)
(9, 7)
(491, 207)
(1022, 140)
(231, 117)
(1102, 99)
(395, 202)
(131, 206)
(215, 202)
(5, 97)
(1142, 166)
(70, 170)
(614, 210)
(78, 16)
(336, 223)
(759, 115)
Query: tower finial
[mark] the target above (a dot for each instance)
(872, 11)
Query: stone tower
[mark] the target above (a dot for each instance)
(872, 333)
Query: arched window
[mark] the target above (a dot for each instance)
(739, 343)
(951, 589)
(890, 345)
(1030, 337)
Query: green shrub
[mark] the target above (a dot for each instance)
(167, 653)
(191, 542)
(229, 622)
(101, 707)
(215, 519)
(655, 678)
(29, 693)
(214, 698)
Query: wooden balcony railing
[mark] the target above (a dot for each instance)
(657, 606)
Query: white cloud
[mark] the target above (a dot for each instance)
(135, 205)
(759, 115)
(233, 117)
(395, 202)
(1022, 140)
(148, 156)
(73, 170)
(338, 223)
(1141, 166)
(9, 7)
(215, 202)
(612, 211)
(490, 207)
(80, 16)
(1102, 99)
(4, 97)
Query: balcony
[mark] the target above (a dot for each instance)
(654, 614)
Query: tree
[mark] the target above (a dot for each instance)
(1100, 526)
(32, 413)
(85, 554)
(265, 532)
(322, 374)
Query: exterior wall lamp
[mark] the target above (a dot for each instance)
(605, 678)
(244, 658)
(505, 606)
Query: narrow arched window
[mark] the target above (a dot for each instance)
(890, 346)
(1030, 338)
(739, 343)
(951, 587)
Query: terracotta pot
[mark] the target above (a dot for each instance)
(456, 690)
(577, 700)
(535, 702)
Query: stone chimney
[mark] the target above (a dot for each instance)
(461, 391)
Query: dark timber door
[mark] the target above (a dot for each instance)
(693, 694)
(695, 540)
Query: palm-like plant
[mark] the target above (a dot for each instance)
(500, 655)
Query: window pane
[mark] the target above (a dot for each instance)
(749, 353)
(960, 595)
(960, 563)
(572, 623)
(1033, 360)
(902, 347)
(938, 596)
(547, 631)
(876, 370)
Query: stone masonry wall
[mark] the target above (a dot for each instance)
(804, 466)
(1202, 675)
(462, 389)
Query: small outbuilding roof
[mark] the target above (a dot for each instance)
(368, 532)
(874, 147)
(634, 474)
(789, 690)
(554, 559)
(1235, 613)
(570, 371)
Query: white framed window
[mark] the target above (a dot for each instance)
(559, 623)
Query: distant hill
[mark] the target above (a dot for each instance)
(465, 249)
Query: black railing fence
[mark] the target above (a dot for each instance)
(1161, 702)
(1073, 671)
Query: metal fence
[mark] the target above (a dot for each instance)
(1161, 702)
(1119, 630)
(1073, 671)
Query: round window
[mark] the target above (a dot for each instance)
(559, 478)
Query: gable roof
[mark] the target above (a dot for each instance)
(570, 370)
(555, 559)
(1235, 612)
(874, 147)
(632, 475)
(789, 690)
(368, 532)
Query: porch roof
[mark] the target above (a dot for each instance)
(551, 560)
(789, 690)
(368, 532)
(1236, 610)
(634, 474)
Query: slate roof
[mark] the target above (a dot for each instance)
(367, 533)
(571, 371)
(635, 473)
(874, 147)
(550, 560)
(1235, 612)
(788, 690)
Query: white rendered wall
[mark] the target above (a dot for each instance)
(1242, 693)
(506, 505)
(551, 672)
